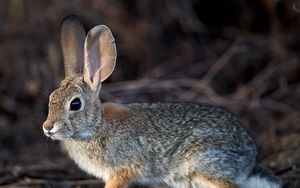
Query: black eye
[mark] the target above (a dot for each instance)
(75, 104)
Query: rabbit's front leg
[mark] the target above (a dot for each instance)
(120, 179)
(202, 181)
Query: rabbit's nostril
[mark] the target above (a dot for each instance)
(47, 126)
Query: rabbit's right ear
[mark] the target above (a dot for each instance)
(72, 41)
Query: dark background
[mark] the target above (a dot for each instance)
(242, 55)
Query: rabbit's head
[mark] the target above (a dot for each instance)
(74, 108)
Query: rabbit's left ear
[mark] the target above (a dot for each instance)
(99, 56)
(72, 39)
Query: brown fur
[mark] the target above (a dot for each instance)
(120, 180)
(113, 110)
(215, 183)
(48, 126)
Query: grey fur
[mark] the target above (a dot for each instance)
(162, 143)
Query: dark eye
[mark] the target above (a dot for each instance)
(75, 104)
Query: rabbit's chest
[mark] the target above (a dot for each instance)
(87, 161)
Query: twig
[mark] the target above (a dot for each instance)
(222, 61)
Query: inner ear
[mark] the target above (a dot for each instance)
(99, 56)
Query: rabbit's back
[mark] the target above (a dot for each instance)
(203, 125)
(166, 137)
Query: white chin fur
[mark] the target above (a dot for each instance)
(257, 182)
(57, 137)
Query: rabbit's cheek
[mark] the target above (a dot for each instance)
(78, 122)
(84, 134)
(75, 120)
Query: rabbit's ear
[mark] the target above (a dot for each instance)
(99, 56)
(72, 41)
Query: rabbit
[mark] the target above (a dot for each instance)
(173, 145)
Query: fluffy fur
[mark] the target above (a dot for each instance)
(169, 144)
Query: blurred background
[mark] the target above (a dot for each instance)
(239, 54)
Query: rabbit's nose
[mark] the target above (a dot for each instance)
(48, 125)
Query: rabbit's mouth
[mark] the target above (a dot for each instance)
(58, 135)
(57, 132)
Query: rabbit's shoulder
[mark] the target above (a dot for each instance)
(112, 110)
